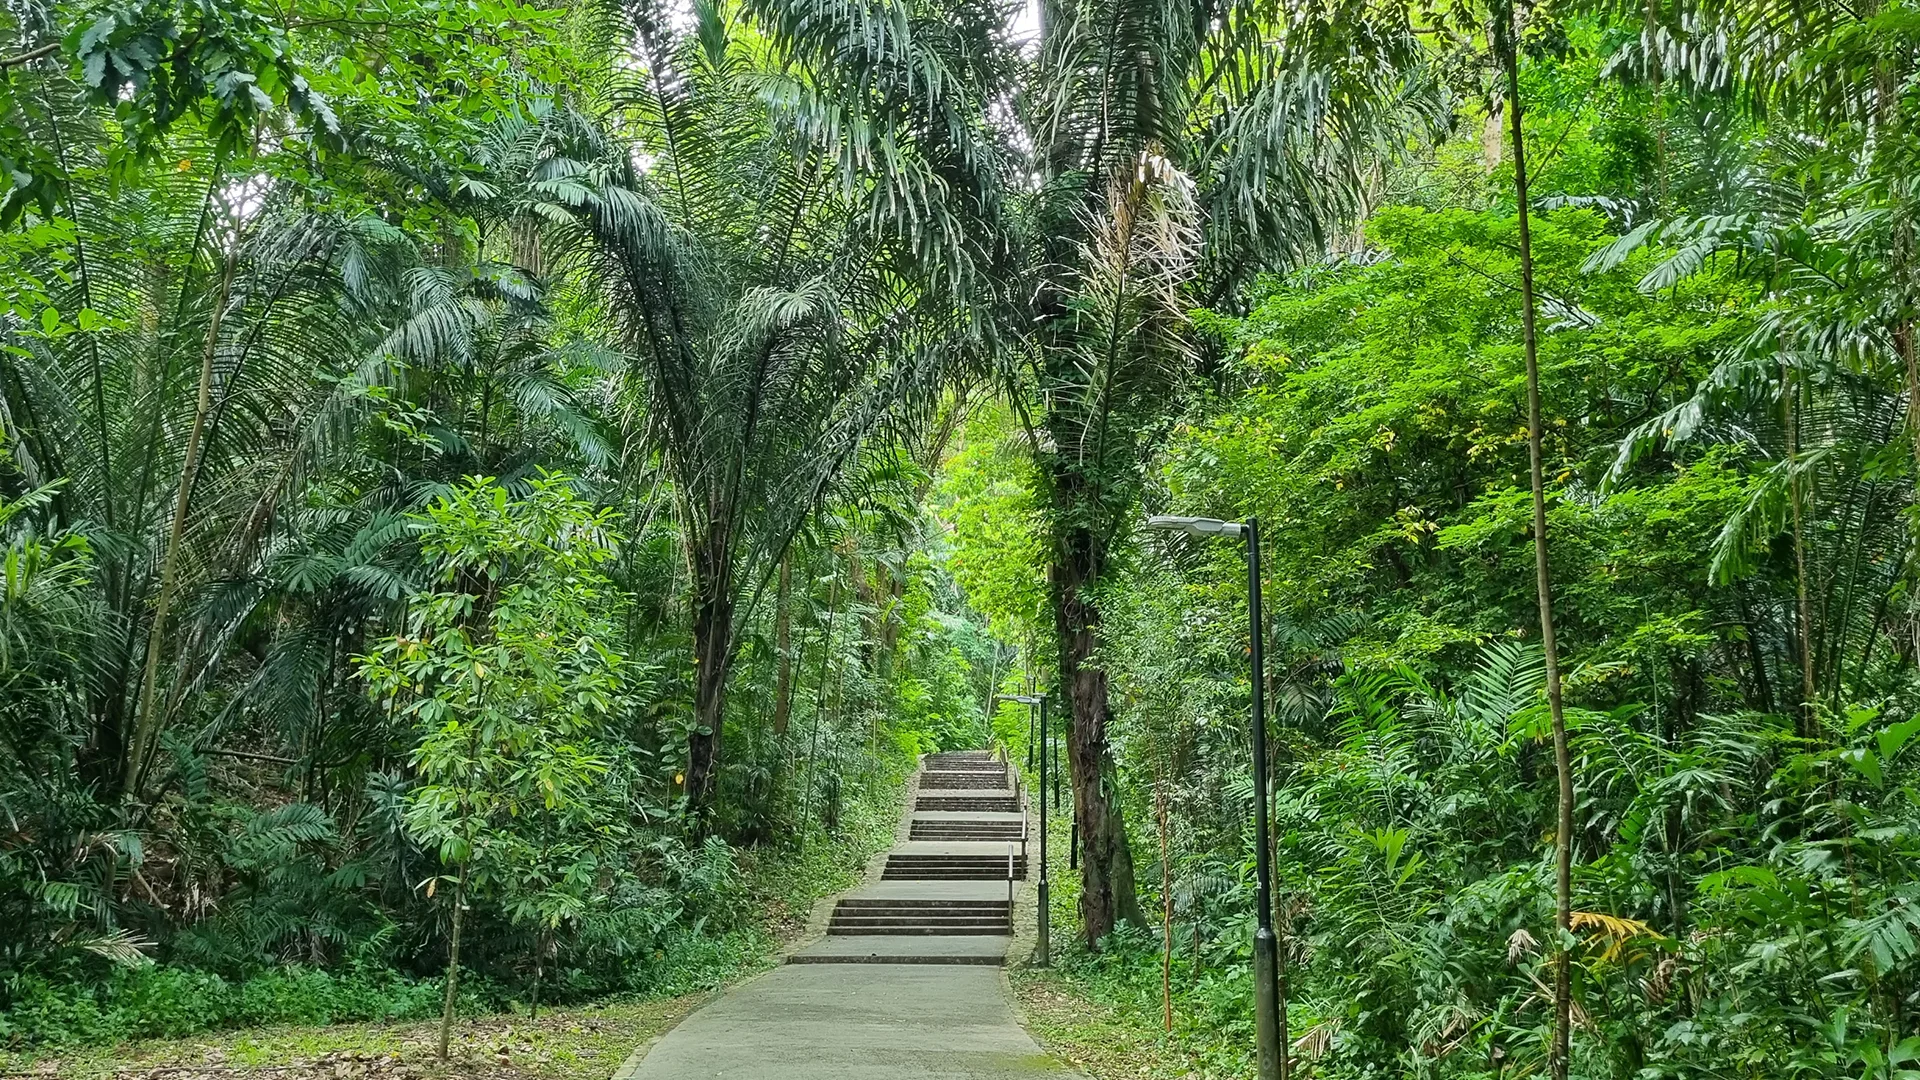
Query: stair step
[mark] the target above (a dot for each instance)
(888, 904)
(935, 782)
(968, 833)
(989, 861)
(1000, 927)
(941, 832)
(935, 832)
(959, 875)
(885, 915)
(921, 918)
(917, 958)
(965, 864)
(865, 919)
(969, 826)
(1002, 804)
(955, 857)
(955, 861)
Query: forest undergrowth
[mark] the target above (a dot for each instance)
(300, 1025)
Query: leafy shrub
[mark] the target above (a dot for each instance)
(162, 1001)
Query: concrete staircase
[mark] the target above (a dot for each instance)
(944, 895)
(970, 780)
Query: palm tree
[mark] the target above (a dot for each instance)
(783, 216)
(178, 407)
(1176, 149)
(1822, 223)
(214, 344)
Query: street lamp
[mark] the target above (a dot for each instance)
(1043, 918)
(1268, 1021)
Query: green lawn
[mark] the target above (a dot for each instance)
(1103, 1041)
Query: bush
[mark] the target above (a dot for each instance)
(163, 1000)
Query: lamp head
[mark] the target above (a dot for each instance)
(1023, 699)
(1197, 526)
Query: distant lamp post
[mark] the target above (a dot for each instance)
(1043, 949)
(1032, 735)
(1267, 1021)
(1056, 774)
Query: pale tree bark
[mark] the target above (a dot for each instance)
(1166, 907)
(453, 963)
(1809, 688)
(1557, 1059)
(146, 724)
(783, 649)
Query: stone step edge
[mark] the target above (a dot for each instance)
(918, 904)
(970, 961)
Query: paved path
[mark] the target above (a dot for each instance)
(910, 1000)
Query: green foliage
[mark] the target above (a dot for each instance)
(168, 1001)
(1372, 419)
(508, 674)
(279, 281)
(155, 63)
(535, 479)
(998, 543)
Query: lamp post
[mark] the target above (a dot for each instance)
(1030, 732)
(1056, 774)
(1269, 1022)
(1043, 917)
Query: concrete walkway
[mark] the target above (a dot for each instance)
(908, 1003)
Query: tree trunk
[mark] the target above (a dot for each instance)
(1166, 909)
(1106, 864)
(1283, 933)
(1809, 691)
(819, 707)
(783, 649)
(453, 963)
(712, 658)
(1903, 338)
(1507, 34)
(539, 972)
(146, 726)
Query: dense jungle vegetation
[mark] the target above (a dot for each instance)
(495, 495)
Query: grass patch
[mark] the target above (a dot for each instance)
(1102, 1040)
(1102, 1013)
(566, 1044)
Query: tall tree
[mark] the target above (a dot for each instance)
(1506, 46)
(785, 234)
(1177, 149)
